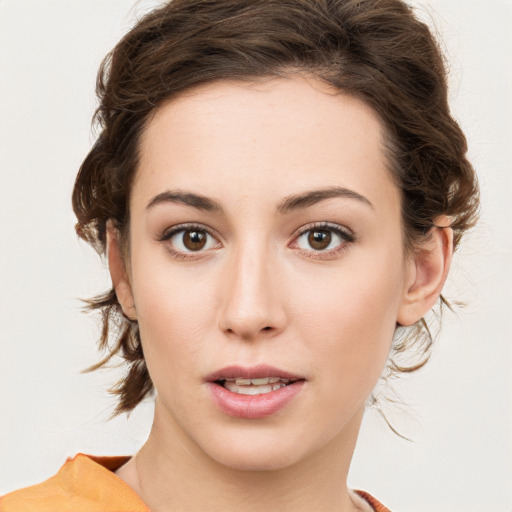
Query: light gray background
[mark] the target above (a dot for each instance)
(458, 410)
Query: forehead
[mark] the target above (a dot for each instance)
(264, 140)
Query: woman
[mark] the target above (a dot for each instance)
(279, 188)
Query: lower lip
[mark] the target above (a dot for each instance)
(253, 407)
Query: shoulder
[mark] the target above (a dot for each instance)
(83, 484)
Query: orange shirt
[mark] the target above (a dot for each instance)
(87, 483)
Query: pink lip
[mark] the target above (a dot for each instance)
(252, 406)
(256, 372)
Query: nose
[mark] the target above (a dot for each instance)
(251, 294)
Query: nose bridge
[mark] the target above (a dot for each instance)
(250, 298)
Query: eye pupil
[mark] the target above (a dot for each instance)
(319, 239)
(194, 240)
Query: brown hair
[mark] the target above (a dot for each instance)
(375, 50)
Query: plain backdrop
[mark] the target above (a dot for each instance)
(457, 410)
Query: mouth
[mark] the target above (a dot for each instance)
(259, 386)
(253, 381)
(253, 393)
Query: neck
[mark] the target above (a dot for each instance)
(171, 473)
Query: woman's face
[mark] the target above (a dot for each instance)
(265, 242)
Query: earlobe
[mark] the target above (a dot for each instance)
(118, 272)
(427, 273)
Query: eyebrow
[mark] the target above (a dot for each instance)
(187, 198)
(306, 199)
(288, 204)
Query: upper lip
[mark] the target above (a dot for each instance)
(254, 372)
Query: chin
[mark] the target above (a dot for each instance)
(256, 451)
(252, 461)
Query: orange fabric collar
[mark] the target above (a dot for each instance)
(85, 483)
(377, 505)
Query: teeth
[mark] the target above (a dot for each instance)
(257, 382)
(259, 386)
(254, 389)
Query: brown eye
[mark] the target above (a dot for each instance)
(194, 240)
(186, 240)
(319, 239)
(324, 238)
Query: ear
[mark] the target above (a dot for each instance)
(426, 273)
(118, 272)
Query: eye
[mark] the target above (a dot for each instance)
(324, 238)
(188, 239)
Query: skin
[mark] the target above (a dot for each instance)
(259, 293)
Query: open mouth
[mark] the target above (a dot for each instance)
(253, 392)
(244, 386)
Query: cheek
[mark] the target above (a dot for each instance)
(349, 316)
(174, 314)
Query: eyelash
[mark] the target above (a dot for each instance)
(169, 233)
(346, 236)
